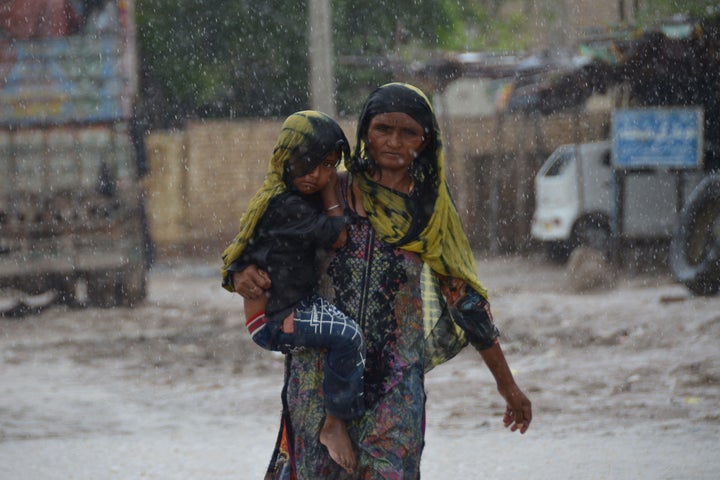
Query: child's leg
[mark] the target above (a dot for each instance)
(318, 324)
(256, 321)
(260, 331)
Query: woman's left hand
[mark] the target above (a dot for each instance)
(518, 413)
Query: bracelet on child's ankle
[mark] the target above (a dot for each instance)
(337, 205)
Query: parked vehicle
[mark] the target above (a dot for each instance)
(622, 191)
(71, 214)
(573, 199)
(695, 246)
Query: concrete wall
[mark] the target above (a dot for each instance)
(201, 180)
(203, 177)
(492, 163)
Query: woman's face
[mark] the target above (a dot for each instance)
(394, 140)
(318, 178)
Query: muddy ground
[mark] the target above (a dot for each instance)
(624, 379)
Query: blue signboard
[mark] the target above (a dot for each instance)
(657, 138)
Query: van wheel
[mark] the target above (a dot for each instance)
(558, 252)
(101, 289)
(133, 285)
(695, 245)
(593, 233)
(71, 291)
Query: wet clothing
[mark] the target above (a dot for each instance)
(427, 222)
(318, 324)
(406, 275)
(385, 289)
(285, 244)
(379, 286)
(280, 232)
(306, 137)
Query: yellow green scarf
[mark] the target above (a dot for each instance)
(440, 239)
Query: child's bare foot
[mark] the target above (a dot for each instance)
(335, 437)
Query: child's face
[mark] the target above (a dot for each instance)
(317, 179)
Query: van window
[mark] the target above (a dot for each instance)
(561, 160)
(606, 159)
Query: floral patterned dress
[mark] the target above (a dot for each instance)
(378, 286)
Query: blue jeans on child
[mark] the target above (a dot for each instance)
(319, 324)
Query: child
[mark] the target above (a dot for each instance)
(294, 213)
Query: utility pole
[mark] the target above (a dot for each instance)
(322, 76)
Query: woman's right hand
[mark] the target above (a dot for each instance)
(251, 282)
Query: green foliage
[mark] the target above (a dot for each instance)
(379, 31)
(245, 58)
(480, 25)
(222, 58)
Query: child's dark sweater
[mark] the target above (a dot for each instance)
(284, 244)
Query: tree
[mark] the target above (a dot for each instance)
(243, 58)
(373, 34)
(221, 58)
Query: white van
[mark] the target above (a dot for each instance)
(573, 199)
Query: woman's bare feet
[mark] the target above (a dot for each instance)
(335, 437)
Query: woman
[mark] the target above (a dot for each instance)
(401, 218)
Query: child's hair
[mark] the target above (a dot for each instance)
(326, 138)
